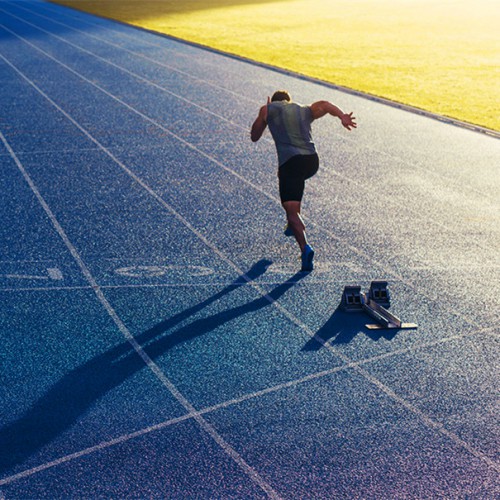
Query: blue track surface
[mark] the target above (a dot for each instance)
(156, 338)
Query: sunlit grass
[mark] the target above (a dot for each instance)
(439, 56)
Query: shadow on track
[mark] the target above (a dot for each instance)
(73, 395)
(342, 327)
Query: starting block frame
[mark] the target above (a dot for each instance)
(354, 300)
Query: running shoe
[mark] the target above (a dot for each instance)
(307, 259)
(288, 230)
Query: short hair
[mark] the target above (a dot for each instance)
(281, 95)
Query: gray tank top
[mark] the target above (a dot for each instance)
(290, 126)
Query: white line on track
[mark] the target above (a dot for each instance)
(24, 277)
(53, 151)
(389, 271)
(231, 402)
(304, 327)
(53, 273)
(45, 288)
(208, 428)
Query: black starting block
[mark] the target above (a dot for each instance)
(380, 293)
(351, 299)
(373, 304)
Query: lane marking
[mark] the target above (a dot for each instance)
(211, 284)
(44, 288)
(171, 275)
(209, 429)
(93, 449)
(155, 271)
(51, 151)
(53, 273)
(24, 277)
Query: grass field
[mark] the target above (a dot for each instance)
(442, 57)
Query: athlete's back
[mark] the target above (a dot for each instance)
(290, 126)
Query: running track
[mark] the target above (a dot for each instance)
(156, 338)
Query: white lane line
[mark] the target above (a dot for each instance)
(53, 273)
(303, 326)
(209, 429)
(232, 402)
(45, 288)
(51, 152)
(24, 277)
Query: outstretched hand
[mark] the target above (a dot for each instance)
(348, 121)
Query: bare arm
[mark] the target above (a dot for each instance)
(322, 108)
(260, 123)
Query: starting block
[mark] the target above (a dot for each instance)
(351, 298)
(380, 293)
(374, 304)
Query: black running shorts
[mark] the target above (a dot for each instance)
(293, 174)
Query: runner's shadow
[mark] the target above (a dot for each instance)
(75, 393)
(340, 328)
(204, 325)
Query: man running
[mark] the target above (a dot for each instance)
(290, 126)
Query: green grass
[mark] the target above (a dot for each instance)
(442, 57)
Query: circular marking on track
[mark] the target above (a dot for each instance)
(156, 271)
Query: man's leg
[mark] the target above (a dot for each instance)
(295, 223)
(292, 176)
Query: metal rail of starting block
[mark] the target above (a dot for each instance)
(353, 299)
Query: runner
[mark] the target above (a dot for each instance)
(290, 126)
